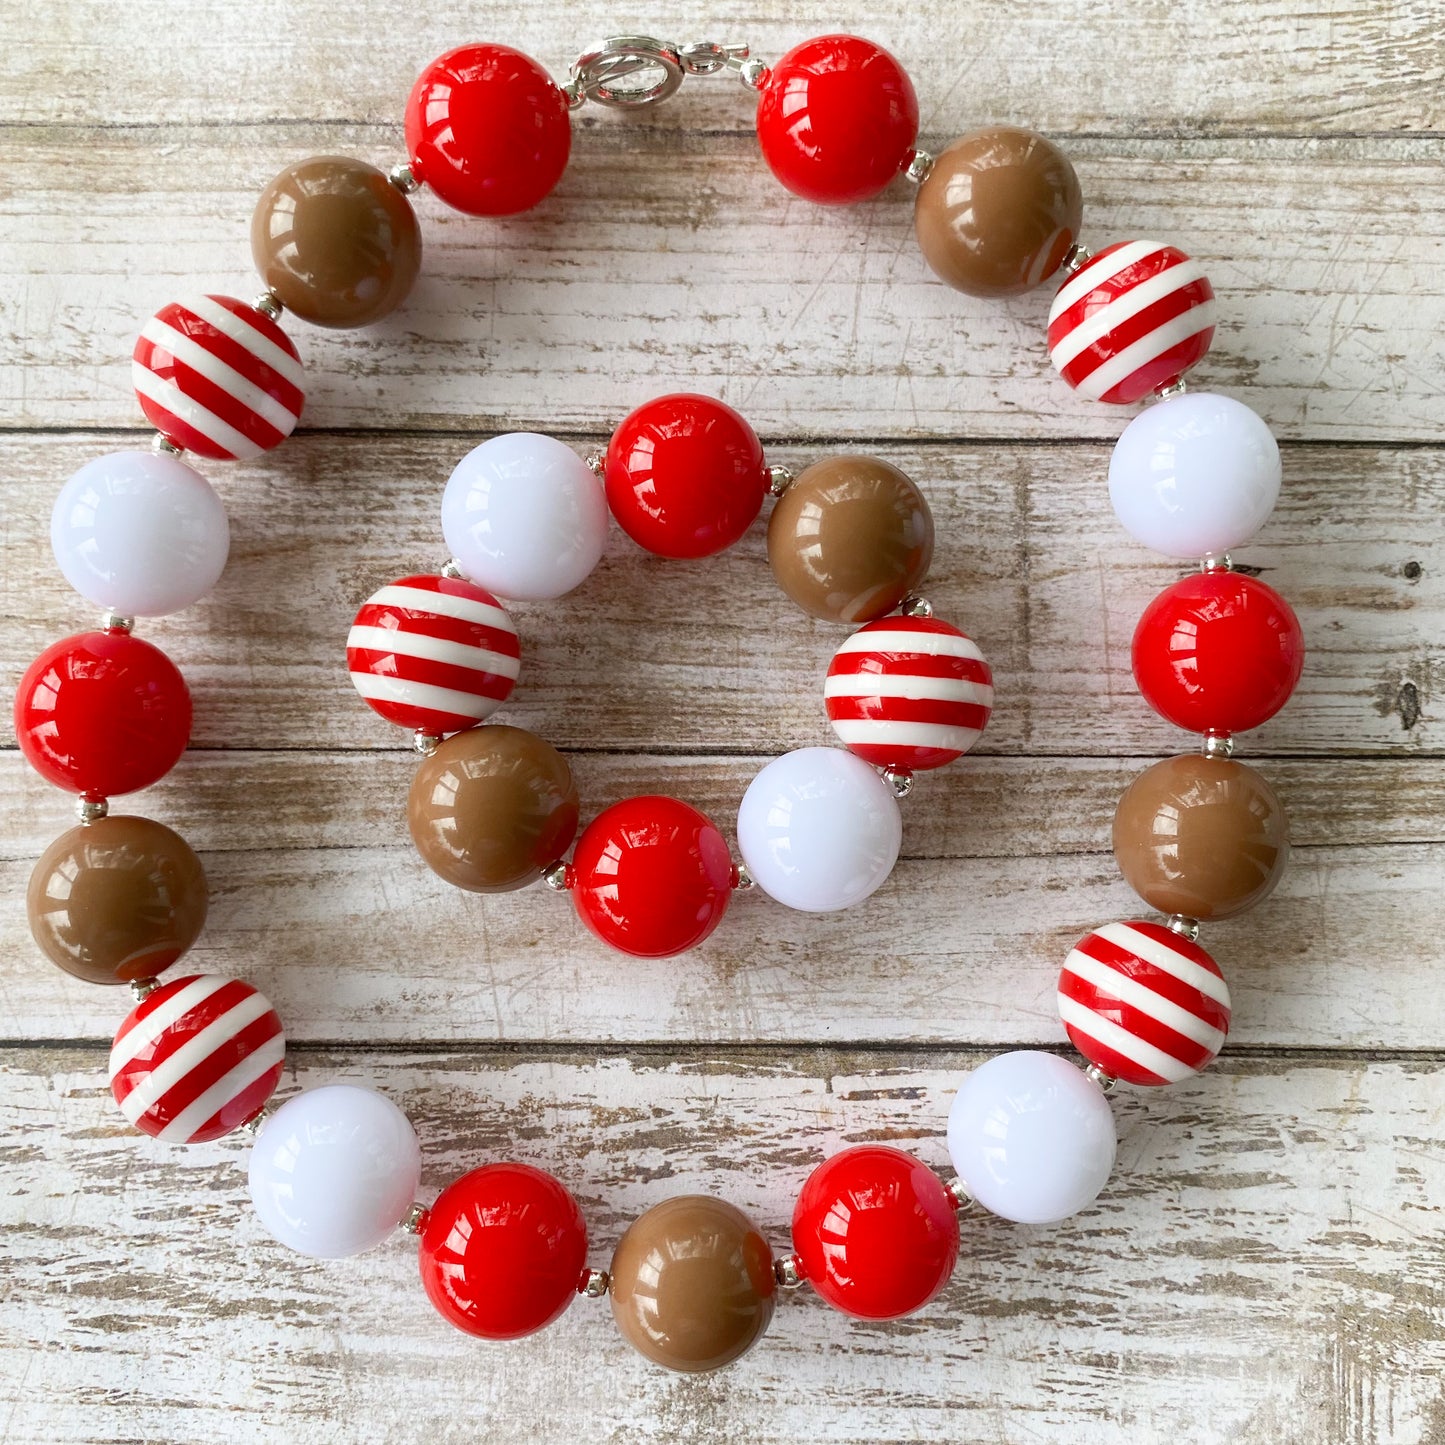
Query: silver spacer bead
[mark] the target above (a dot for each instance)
(779, 480)
(424, 742)
(1106, 1082)
(1076, 258)
(958, 1196)
(915, 606)
(1184, 927)
(1175, 388)
(268, 303)
(113, 621)
(753, 73)
(576, 96)
(594, 1283)
(91, 810)
(900, 780)
(557, 877)
(597, 463)
(788, 1271)
(1217, 745)
(253, 1126)
(142, 988)
(451, 568)
(918, 168)
(165, 447)
(742, 879)
(401, 177)
(414, 1220)
(1222, 563)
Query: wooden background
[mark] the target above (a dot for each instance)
(1267, 1264)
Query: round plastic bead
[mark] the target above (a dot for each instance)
(524, 516)
(102, 713)
(140, 534)
(436, 654)
(651, 876)
(1194, 475)
(502, 1251)
(217, 377)
(118, 899)
(1031, 1137)
(1131, 321)
(335, 1171)
(685, 475)
(908, 693)
(837, 119)
(876, 1232)
(488, 130)
(1143, 1003)
(1218, 652)
(819, 829)
(197, 1058)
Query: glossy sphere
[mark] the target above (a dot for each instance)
(1202, 837)
(651, 876)
(1032, 1138)
(692, 1284)
(1130, 321)
(819, 829)
(487, 129)
(998, 212)
(118, 899)
(876, 1231)
(524, 516)
(335, 1171)
(433, 653)
(491, 808)
(1143, 1003)
(336, 241)
(502, 1251)
(1194, 475)
(142, 534)
(850, 538)
(196, 1059)
(1219, 652)
(217, 377)
(837, 118)
(909, 692)
(685, 476)
(102, 713)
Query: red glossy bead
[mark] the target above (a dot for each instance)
(488, 130)
(837, 119)
(685, 475)
(102, 713)
(502, 1251)
(876, 1232)
(651, 876)
(1219, 652)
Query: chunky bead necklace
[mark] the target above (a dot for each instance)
(1200, 836)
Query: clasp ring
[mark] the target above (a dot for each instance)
(654, 67)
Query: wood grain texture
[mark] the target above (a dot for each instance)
(1265, 1266)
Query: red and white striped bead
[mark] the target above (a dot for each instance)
(197, 1058)
(436, 654)
(217, 377)
(1131, 321)
(908, 692)
(1143, 1003)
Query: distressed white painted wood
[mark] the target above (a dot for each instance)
(1266, 1265)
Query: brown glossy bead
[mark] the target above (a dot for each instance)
(850, 539)
(336, 241)
(118, 899)
(998, 212)
(492, 807)
(1205, 837)
(692, 1284)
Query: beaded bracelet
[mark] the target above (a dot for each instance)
(1199, 836)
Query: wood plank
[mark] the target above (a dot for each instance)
(1263, 1267)
(362, 944)
(712, 658)
(1315, 68)
(568, 317)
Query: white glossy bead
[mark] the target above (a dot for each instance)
(819, 829)
(524, 516)
(335, 1170)
(1195, 475)
(139, 533)
(1031, 1137)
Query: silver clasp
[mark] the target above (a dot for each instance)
(629, 71)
